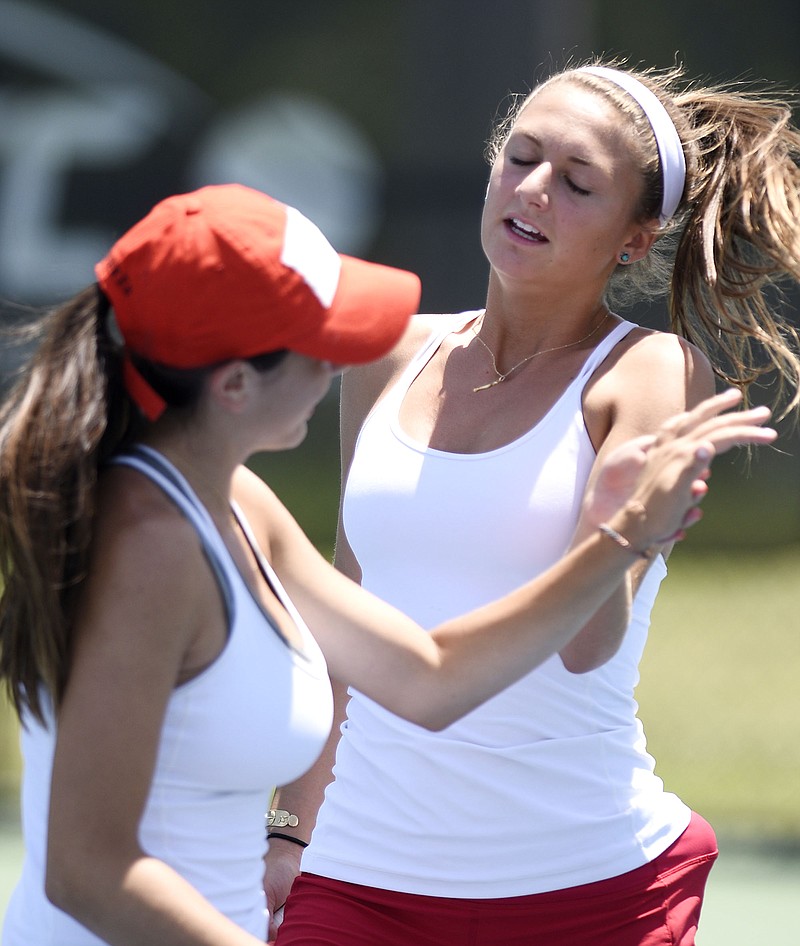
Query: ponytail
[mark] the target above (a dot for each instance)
(740, 238)
(54, 433)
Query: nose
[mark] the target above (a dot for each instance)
(535, 186)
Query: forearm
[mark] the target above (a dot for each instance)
(139, 902)
(528, 626)
(600, 638)
(432, 679)
(302, 799)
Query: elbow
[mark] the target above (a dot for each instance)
(434, 720)
(579, 667)
(71, 885)
(584, 661)
(61, 887)
(433, 714)
(436, 715)
(594, 646)
(438, 722)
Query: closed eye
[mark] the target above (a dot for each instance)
(574, 187)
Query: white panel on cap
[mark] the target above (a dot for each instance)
(307, 252)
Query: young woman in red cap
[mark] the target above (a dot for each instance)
(539, 818)
(158, 597)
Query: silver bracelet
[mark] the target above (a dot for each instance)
(622, 542)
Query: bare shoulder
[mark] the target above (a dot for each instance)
(653, 364)
(149, 581)
(258, 501)
(644, 346)
(274, 528)
(134, 516)
(252, 493)
(648, 377)
(363, 385)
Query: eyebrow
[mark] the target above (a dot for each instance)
(574, 159)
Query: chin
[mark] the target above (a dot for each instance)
(293, 438)
(288, 441)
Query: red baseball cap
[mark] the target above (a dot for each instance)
(228, 272)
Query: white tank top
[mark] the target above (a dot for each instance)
(548, 784)
(256, 718)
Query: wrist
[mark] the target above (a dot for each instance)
(627, 528)
(290, 839)
(278, 820)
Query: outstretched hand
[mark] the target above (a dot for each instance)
(652, 486)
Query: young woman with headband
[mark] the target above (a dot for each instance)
(538, 818)
(157, 599)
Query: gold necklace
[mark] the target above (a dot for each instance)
(545, 351)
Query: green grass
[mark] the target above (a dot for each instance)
(719, 695)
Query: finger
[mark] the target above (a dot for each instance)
(693, 516)
(643, 441)
(691, 420)
(705, 453)
(738, 436)
(707, 420)
(753, 416)
(717, 404)
(726, 431)
(706, 410)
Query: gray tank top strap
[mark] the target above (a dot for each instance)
(157, 468)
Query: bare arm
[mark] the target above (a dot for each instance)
(360, 389)
(135, 636)
(432, 679)
(302, 798)
(656, 377)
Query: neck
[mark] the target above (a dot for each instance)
(516, 332)
(537, 316)
(202, 463)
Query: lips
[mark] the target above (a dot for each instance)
(525, 230)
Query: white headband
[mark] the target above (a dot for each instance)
(670, 149)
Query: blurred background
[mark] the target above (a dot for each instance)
(371, 118)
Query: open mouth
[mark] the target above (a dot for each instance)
(525, 230)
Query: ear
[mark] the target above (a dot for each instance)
(231, 385)
(639, 243)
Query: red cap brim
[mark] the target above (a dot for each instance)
(369, 313)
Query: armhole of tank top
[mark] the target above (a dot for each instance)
(601, 351)
(151, 464)
(270, 576)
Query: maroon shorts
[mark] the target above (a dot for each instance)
(655, 905)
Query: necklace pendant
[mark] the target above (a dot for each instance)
(491, 384)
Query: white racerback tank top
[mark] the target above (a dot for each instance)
(256, 718)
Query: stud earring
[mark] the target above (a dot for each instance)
(624, 257)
